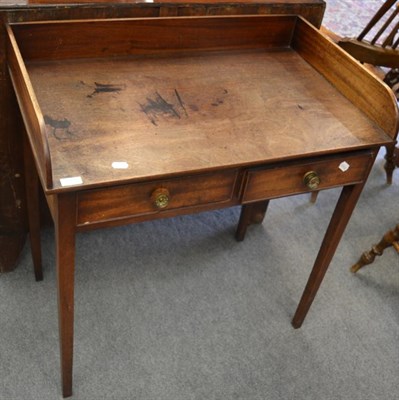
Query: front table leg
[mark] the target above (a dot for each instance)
(339, 220)
(65, 252)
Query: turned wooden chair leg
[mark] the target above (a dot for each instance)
(391, 161)
(32, 200)
(391, 238)
(253, 213)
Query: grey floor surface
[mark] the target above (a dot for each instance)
(177, 309)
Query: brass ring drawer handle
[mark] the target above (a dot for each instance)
(160, 198)
(311, 180)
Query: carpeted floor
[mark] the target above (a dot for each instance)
(178, 310)
(349, 17)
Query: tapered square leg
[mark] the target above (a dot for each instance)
(33, 207)
(335, 230)
(253, 213)
(65, 252)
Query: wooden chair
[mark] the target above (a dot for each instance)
(391, 238)
(378, 45)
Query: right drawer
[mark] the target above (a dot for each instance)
(271, 182)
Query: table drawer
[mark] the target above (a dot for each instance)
(271, 182)
(155, 196)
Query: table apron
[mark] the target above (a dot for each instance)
(137, 202)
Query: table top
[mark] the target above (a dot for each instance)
(209, 94)
(161, 116)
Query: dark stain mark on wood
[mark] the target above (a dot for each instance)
(219, 100)
(160, 107)
(59, 125)
(300, 107)
(106, 88)
(157, 106)
(181, 102)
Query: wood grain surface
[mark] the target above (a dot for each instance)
(166, 115)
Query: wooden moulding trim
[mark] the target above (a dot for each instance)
(177, 2)
(123, 37)
(31, 113)
(353, 80)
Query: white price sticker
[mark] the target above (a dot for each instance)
(344, 166)
(120, 165)
(74, 180)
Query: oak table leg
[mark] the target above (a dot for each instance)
(65, 252)
(32, 200)
(335, 230)
(391, 238)
(253, 213)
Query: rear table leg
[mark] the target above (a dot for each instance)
(391, 161)
(252, 213)
(32, 200)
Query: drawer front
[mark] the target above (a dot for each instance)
(271, 182)
(155, 196)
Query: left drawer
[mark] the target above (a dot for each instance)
(155, 196)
